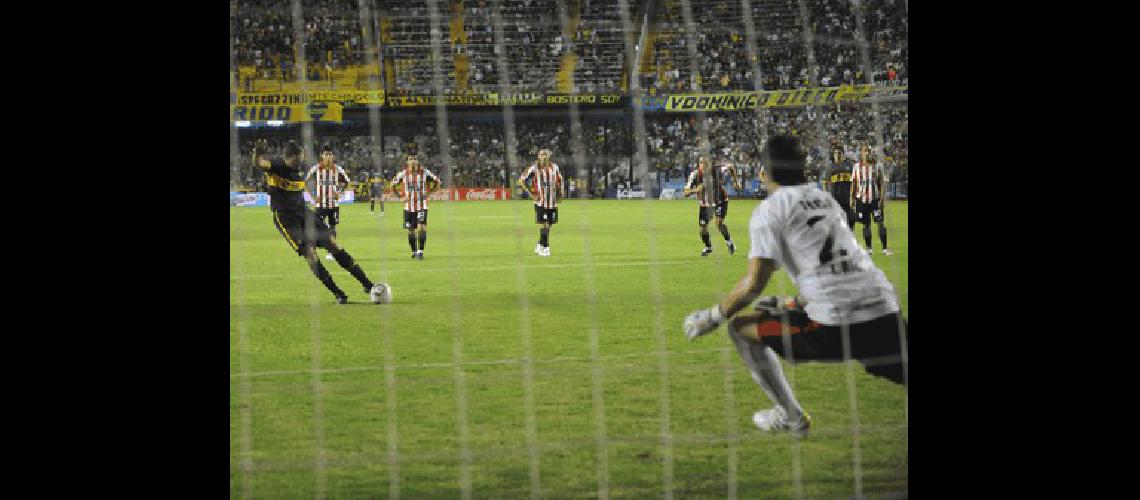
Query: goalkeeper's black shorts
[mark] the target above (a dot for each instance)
(876, 343)
(302, 228)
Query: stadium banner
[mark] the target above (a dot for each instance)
(344, 97)
(630, 194)
(347, 196)
(289, 113)
(497, 99)
(409, 101)
(599, 99)
(890, 93)
(778, 98)
(249, 199)
(650, 103)
(296, 107)
(669, 194)
(457, 194)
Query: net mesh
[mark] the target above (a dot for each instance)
(445, 54)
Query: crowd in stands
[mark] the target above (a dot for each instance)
(720, 40)
(263, 37)
(534, 43)
(477, 151)
(541, 39)
(673, 141)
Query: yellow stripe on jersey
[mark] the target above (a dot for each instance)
(288, 185)
(841, 177)
(284, 231)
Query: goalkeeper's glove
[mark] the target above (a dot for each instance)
(702, 322)
(775, 304)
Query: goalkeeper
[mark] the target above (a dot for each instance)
(846, 309)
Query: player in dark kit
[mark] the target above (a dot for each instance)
(300, 226)
(376, 190)
(839, 181)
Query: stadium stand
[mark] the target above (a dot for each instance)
(577, 47)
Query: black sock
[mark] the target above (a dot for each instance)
(705, 238)
(423, 239)
(372, 206)
(883, 235)
(412, 241)
(323, 275)
(724, 232)
(867, 235)
(346, 261)
(544, 237)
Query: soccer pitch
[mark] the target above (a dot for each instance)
(496, 373)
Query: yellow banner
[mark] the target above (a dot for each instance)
(290, 113)
(778, 98)
(461, 99)
(345, 97)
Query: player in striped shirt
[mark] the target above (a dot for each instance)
(326, 191)
(419, 183)
(713, 197)
(543, 183)
(867, 187)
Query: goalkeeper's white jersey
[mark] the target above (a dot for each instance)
(802, 228)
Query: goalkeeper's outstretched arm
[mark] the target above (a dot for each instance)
(749, 287)
(746, 290)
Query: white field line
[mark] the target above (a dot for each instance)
(503, 268)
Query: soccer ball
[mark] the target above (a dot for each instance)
(381, 293)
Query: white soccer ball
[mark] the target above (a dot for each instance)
(381, 293)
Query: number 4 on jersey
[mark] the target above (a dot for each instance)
(825, 253)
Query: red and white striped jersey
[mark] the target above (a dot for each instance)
(866, 178)
(415, 187)
(714, 192)
(328, 184)
(543, 184)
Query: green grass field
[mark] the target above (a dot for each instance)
(496, 373)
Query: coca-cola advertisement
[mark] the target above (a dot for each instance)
(458, 194)
(473, 194)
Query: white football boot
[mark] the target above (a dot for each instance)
(775, 419)
(538, 248)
